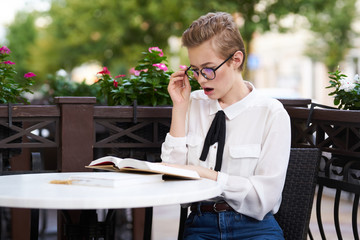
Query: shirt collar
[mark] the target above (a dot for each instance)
(235, 109)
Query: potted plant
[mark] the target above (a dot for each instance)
(147, 83)
(11, 91)
(145, 91)
(346, 90)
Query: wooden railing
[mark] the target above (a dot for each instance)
(75, 131)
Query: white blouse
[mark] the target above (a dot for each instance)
(256, 151)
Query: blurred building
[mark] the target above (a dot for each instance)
(86, 72)
(278, 66)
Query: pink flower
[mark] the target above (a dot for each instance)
(158, 50)
(116, 83)
(161, 66)
(4, 50)
(120, 76)
(105, 71)
(8, 62)
(29, 75)
(137, 72)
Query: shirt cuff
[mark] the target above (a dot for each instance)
(222, 179)
(175, 141)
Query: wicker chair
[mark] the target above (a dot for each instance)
(295, 210)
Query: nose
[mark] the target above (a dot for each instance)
(201, 79)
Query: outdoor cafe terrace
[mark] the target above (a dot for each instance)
(65, 136)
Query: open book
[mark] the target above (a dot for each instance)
(128, 164)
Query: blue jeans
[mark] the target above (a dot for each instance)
(230, 225)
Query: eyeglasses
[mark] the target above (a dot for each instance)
(208, 73)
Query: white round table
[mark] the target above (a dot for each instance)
(36, 191)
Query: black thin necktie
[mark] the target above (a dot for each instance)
(215, 134)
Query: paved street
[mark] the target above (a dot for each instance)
(328, 221)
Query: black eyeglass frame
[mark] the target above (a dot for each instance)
(212, 69)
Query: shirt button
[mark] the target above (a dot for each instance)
(214, 147)
(211, 168)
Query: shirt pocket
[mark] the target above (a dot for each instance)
(243, 159)
(194, 145)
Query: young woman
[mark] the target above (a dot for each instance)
(229, 133)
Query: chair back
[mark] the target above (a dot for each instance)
(298, 194)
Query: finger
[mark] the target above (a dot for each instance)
(180, 73)
(177, 78)
(177, 81)
(186, 81)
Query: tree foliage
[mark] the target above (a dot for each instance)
(115, 32)
(333, 32)
(22, 35)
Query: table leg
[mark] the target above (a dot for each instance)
(88, 226)
(148, 223)
(183, 217)
(34, 224)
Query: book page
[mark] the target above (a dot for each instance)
(106, 160)
(129, 164)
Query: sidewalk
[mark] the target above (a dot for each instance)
(327, 214)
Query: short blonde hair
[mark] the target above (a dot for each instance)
(221, 29)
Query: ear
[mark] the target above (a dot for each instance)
(237, 59)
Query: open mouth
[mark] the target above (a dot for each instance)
(208, 90)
